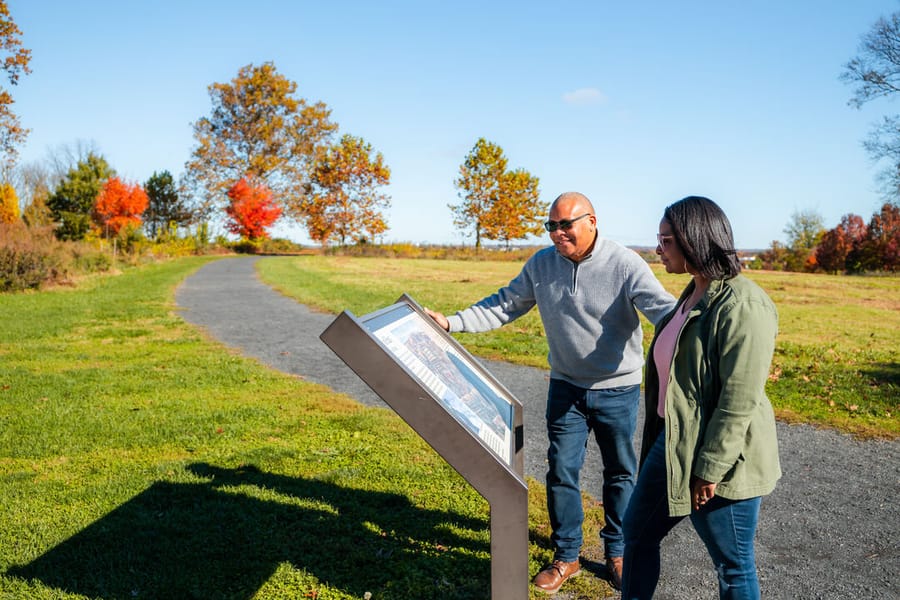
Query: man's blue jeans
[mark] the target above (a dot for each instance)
(727, 527)
(572, 413)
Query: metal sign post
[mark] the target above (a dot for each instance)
(458, 408)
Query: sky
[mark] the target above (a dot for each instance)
(635, 104)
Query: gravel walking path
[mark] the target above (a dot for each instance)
(831, 529)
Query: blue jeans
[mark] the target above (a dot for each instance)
(727, 527)
(572, 413)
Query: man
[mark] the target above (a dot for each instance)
(588, 291)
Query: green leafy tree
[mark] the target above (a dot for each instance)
(345, 201)
(165, 205)
(15, 63)
(875, 73)
(804, 231)
(72, 202)
(517, 211)
(258, 128)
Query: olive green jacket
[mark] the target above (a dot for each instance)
(719, 424)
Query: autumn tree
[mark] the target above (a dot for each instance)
(517, 211)
(839, 246)
(15, 63)
(251, 210)
(119, 206)
(497, 204)
(72, 202)
(165, 205)
(479, 181)
(32, 181)
(775, 258)
(260, 129)
(36, 212)
(881, 249)
(345, 201)
(9, 204)
(35, 180)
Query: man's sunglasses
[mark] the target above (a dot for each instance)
(564, 224)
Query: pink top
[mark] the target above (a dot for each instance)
(663, 352)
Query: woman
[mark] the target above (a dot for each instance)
(709, 448)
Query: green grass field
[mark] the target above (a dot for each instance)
(139, 459)
(837, 361)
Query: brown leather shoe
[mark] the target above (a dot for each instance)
(614, 571)
(550, 579)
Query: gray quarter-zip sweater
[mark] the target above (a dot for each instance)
(588, 309)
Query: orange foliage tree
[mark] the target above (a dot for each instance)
(346, 202)
(9, 204)
(120, 205)
(517, 210)
(497, 204)
(251, 210)
(258, 128)
(14, 61)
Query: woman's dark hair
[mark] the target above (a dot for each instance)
(704, 235)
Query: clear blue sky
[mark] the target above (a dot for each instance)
(634, 104)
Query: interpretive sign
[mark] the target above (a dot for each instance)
(468, 395)
(456, 406)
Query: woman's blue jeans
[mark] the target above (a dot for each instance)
(572, 413)
(727, 527)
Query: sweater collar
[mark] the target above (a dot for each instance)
(598, 241)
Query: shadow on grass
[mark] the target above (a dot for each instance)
(212, 540)
(884, 373)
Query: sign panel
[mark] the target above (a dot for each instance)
(474, 401)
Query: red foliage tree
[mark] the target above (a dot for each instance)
(119, 205)
(881, 249)
(838, 247)
(251, 210)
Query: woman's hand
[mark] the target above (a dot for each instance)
(702, 492)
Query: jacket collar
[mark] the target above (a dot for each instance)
(716, 286)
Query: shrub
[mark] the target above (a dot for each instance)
(28, 257)
(89, 260)
(245, 246)
(23, 268)
(278, 246)
(409, 250)
(32, 257)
